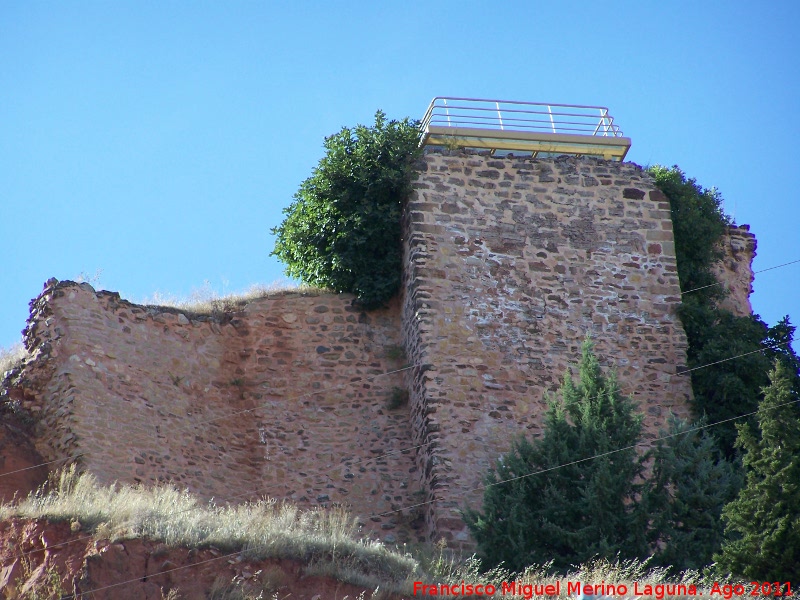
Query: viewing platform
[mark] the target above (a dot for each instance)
(523, 128)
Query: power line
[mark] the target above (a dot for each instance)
(777, 266)
(113, 585)
(50, 462)
(409, 449)
(355, 461)
(633, 446)
(581, 460)
(402, 450)
(710, 285)
(228, 499)
(308, 394)
(732, 358)
(405, 450)
(370, 378)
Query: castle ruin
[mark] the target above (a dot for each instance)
(509, 262)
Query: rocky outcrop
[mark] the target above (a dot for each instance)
(735, 270)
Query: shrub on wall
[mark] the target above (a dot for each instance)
(342, 231)
(698, 223)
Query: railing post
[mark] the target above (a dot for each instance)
(599, 123)
(552, 123)
(499, 116)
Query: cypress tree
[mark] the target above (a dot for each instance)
(762, 526)
(690, 485)
(577, 507)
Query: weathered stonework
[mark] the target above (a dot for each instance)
(735, 270)
(509, 263)
(288, 397)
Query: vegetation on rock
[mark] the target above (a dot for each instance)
(698, 223)
(724, 389)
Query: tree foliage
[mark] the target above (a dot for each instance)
(342, 231)
(763, 523)
(689, 486)
(583, 509)
(698, 223)
(730, 388)
(725, 388)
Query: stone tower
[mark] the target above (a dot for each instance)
(510, 263)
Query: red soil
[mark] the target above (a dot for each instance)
(142, 570)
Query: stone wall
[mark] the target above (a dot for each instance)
(287, 397)
(735, 270)
(510, 264)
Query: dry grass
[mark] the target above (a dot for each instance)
(327, 541)
(626, 572)
(208, 301)
(601, 571)
(11, 357)
(265, 529)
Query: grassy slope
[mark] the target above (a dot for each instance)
(327, 539)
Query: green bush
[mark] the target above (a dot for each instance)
(729, 388)
(342, 231)
(698, 223)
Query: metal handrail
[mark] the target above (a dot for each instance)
(510, 115)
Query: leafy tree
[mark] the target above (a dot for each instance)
(762, 525)
(584, 509)
(342, 231)
(690, 485)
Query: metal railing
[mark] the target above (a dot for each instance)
(532, 117)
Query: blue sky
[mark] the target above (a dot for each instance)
(160, 141)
